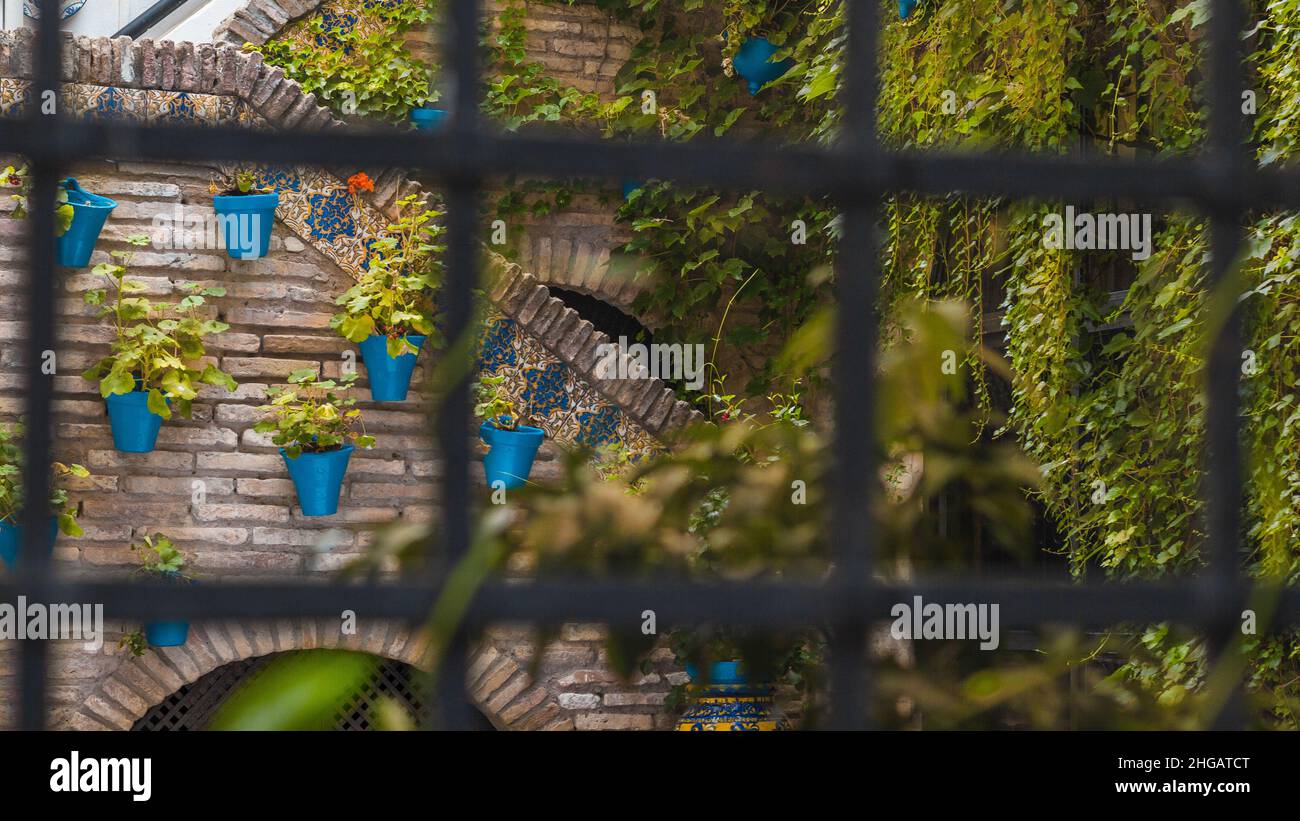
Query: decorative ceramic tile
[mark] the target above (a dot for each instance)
(14, 96)
(182, 108)
(67, 8)
(546, 390)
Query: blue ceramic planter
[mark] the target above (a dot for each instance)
(89, 213)
(167, 633)
(730, 703)
(428, 119)
(753, 62)
(11, 540)
(512, 453)
(135, 427)
(318, 478)
(246, 223)
(171, 633)
(390, 378)
(905, 8)
(630, 187)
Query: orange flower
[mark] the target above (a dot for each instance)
(360, 182)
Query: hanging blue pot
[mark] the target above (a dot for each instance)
(905, 8)
(390, 378)
(168, 633)
(246, 223)
(89, 213)
(753, 62)
(318, 478)
(428, 119)
(135, 427)
(11, 540)
(729, 702)
(630, 187)
(512, 453)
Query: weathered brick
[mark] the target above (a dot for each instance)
(241, 513)
(613, 721)
(253, 462)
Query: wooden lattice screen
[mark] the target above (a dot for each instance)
(193, 705)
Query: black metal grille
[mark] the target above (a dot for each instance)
(193, 705)
(1222, 181)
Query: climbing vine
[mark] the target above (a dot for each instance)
(1107, 351)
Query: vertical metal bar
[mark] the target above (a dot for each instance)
(456, 304)
(1222, 484)
(34, 564)
(857, 270)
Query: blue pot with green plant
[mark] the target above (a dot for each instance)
(247, 214)
(318, 478)
(155, 362)
(905, 8)
(511, 453)
(753, 61)
(11, 540)
(160, 560)
(389, 311)
(316, 430)
(79, 215)
(63, 512)
(512, 446)
(389, 365)
(89, 213)
(426, 118)
(630, 187)
(135, 427)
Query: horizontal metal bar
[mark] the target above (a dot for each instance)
(674, 602)
(457, 156)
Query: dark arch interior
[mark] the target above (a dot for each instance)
(193, 705)
(603, 316)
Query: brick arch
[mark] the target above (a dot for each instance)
(259, 20)
(587, 268)
(500, 687)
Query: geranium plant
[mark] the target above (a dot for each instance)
(394, 295)
(11, 487)
(310, 417)
(159, 558)
(239, 182)
(492, 405)
(156, 342)
(17, 177)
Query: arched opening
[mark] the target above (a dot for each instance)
(193, 705)
(604, 316)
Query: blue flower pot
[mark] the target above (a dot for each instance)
(389, 378)
(11, 540)
(246, 223)
(89, 213)
(318, 478)
(174, 632)
(167, 633)
(428, 119)
(512, 453)
(630, 187)
(135, 427)
(753, 62)
(905, 8)
(730, 703)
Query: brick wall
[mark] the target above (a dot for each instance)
(279, 309)
(247, 523)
